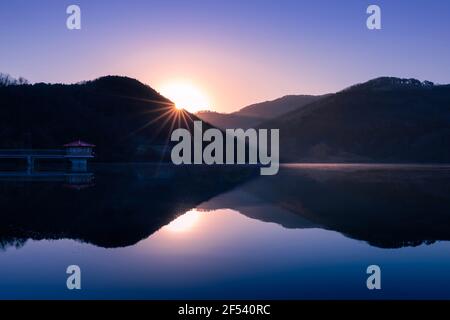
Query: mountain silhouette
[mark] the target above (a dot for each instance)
(228, 120)
(382, 120)
(126, 119)
(254, 114)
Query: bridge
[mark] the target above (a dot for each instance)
(78, 153)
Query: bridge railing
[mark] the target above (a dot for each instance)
(32, 152)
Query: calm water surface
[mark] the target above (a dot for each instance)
(308, 233)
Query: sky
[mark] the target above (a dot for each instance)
(233, 52)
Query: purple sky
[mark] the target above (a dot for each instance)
(235, 52)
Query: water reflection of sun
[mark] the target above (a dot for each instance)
(185, 222)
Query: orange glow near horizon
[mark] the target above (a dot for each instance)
(185, 95)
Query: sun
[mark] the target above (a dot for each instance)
(185, 95)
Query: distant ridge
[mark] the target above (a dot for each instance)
(382, 120)
(255, 114)
(228, 120)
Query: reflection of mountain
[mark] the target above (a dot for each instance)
(252, 206)
(383, 120)
(127, 204)
(385, 207)
(253, 115)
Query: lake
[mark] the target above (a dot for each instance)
(162, 232)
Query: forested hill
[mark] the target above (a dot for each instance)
(127, 120)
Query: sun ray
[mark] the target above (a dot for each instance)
(152, 122)
(164, 123)
(182, 116)
(177, 115)
(167, 103)
(153, 110)
(189, 116)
